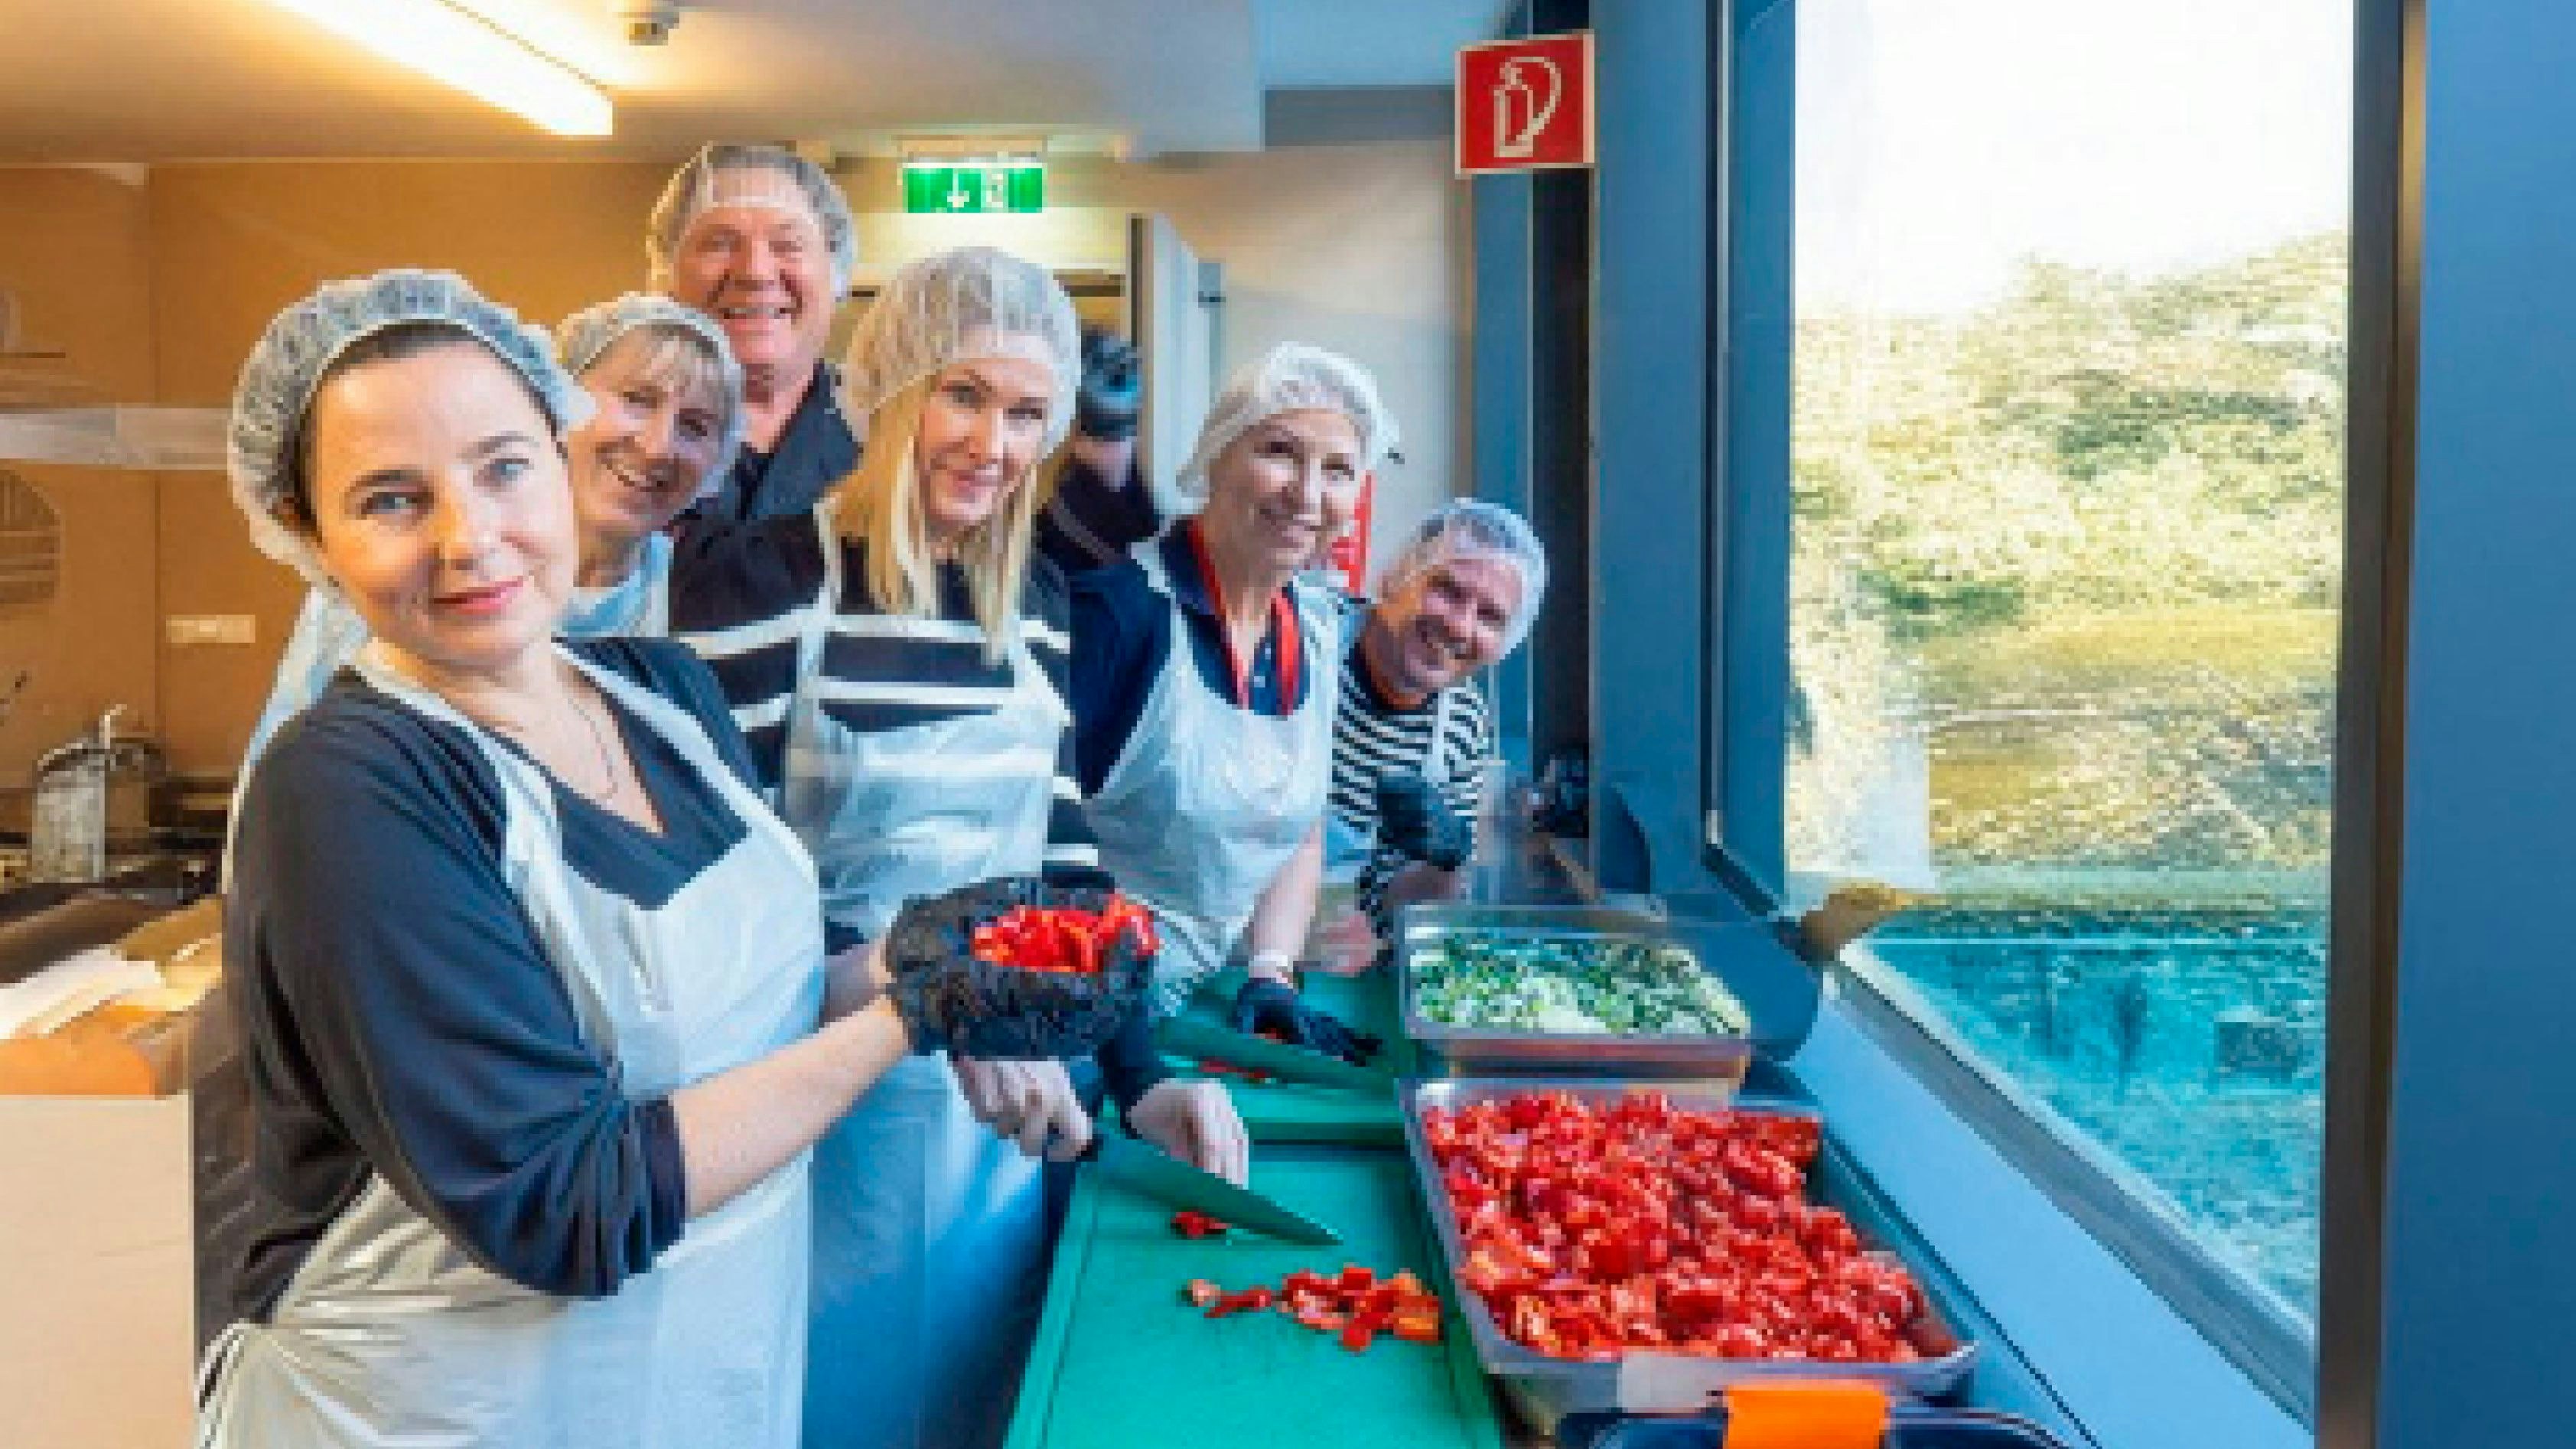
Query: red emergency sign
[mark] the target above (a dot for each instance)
(1525, 105)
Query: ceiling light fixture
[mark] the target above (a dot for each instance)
(470, 53)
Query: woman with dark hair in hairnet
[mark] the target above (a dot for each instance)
(536, 1015)
(666, 416)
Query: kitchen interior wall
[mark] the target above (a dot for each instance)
(74, 263)
(1348, 232)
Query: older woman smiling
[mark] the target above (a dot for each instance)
(1203, 691)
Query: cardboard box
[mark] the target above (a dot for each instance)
(98, 1334)
(109, 1205)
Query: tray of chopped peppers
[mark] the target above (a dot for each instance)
(1591, 1225)
(1067, 939)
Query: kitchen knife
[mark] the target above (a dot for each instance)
(1205, 1041)
(1159, 1175)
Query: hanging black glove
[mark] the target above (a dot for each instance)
(952, 1001)
(1113, 387)
(1416, 823)
(1265, 1007)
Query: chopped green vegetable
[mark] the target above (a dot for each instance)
(1572, 985)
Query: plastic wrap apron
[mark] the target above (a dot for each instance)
(930, 1231)
(389, 1334)
(1208, 800)
(328, 635)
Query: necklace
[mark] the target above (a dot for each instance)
(607, 762)
(614, 780)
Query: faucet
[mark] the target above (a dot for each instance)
(69, 838)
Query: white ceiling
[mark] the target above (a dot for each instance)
(157, 80)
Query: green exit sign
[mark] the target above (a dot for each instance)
(1010, 186)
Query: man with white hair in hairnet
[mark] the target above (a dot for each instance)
(1412, 738)
(761, 239)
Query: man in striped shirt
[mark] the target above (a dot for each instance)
(1412, 738)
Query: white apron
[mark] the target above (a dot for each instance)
(1346, 848)
(1209, 800)
(328, 635)
(930, 1231)
(390, 1335)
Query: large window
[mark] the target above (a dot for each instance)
(2068, 477)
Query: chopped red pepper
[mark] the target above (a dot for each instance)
(1191, 1223)
(1062, 939)
(1355, 1305)
(1250, 1300)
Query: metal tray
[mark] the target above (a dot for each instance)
(1471, 1051)
(1544, 1390)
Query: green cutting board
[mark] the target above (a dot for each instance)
(1121, 1362)
(1294, 1112)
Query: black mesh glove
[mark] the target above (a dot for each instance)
(1113, 387)
(951, 1001)
(1416, 823)
(1272, 1008)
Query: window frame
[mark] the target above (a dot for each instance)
(1746, 682)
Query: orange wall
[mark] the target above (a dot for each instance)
(234, 242)
(74, 251)
(160, 281)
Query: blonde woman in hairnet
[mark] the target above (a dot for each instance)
(665, 418)
(529, 977)
(897, 658)
(1204, 685)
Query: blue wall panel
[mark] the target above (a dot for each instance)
(1651, 399)
(2481, 1278)
(1500, 388)
(1752, 566)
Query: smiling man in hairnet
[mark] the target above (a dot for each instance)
(1412, 739)
(761, 239)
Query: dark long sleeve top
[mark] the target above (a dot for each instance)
(401, 1017)
(814, 450)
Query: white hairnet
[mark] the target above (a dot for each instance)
(279, 378)
(1470, 528)
(586, 336)
(732, 174)
(957, 306)
(1291, 377)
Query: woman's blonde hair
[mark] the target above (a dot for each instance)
(880, 504)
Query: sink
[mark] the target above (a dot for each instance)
(165, 879)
